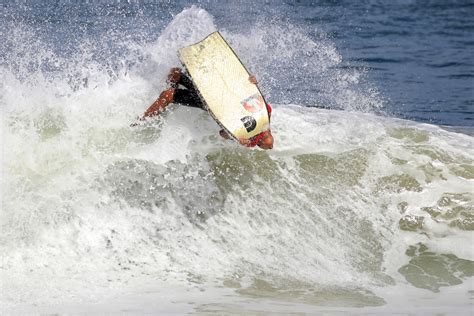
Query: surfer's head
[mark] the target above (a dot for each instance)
(267, 141)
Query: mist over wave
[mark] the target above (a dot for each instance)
(347, 205)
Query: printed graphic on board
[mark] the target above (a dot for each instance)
(249, 123)
(254, 103)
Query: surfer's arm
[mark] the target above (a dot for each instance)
(245, 142)
(165, 98)
(174, 75)
(242, 141)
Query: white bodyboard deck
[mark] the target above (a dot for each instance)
(224, 86)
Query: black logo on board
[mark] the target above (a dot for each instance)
(249, 123)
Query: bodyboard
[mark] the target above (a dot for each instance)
(224, 87)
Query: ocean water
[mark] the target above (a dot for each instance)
(364, 207)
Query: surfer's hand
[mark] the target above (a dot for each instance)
(244, 141)
(174, 75)
(224, 134)
(253, 79)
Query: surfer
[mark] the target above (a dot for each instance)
(189, 97)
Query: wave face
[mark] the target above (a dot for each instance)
(350, 210)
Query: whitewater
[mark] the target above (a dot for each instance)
(351, 212)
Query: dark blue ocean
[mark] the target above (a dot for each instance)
(417, 54)
(364, 206)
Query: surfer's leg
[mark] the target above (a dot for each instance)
(188, 98)
(165, 98)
